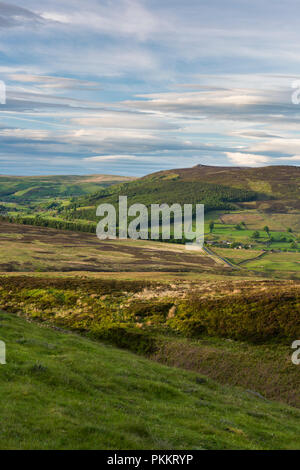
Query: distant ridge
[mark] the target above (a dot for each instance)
(83, 178)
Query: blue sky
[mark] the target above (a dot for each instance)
(135, 86)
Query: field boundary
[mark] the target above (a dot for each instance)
(214, 255)
(261, 255)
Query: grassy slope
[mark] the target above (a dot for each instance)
(273, 189)
(67, 392)
(280, 181)
(156, 319)
(150, 190)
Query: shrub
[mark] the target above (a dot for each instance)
(256, 317)
(126, 336)
(150, 311)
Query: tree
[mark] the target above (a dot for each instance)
(294, 245)
(267, 230)
(289, 230)
(211, 226)
(255, 235)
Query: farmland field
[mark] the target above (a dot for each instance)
(258, 220)
(238, 256)
(276, 261)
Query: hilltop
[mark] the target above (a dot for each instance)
(190, 185)
(279, 177)
(273, 189)
(280, 182)
(272, 186)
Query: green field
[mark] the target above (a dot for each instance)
(276, 262)
(68, 392)
(237, 256)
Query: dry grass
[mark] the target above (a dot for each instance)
(26, 248)
(267, 370)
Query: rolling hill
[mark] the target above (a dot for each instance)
(268, 190)
(24, 190)
(281, 184)
(275, 180)
(241, 202)
(271, 189)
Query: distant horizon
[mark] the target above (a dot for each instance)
(140, 176)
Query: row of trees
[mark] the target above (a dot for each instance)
(51, 223)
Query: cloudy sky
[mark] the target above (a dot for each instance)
(134, 86)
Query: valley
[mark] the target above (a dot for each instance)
(209, 331)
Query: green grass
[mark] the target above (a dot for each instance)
(28, 193)
(276, 262)
(63, 391)
(228, 232)
(236, 255)
(141, 316)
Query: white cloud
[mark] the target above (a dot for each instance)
(142, 49)
(32, 134)
(44, 81)
(291, 159)
(59, 17)
(125, 120)
(103, 158)
(12, 16)
(247, 159)
(125, 18)
(287, 146)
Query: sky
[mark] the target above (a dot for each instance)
(131, 87)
